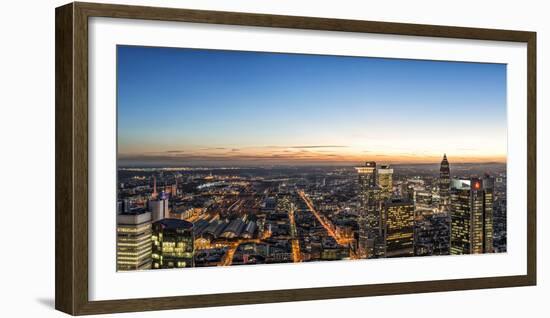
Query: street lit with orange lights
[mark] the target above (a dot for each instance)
(324, 222)
(296, 255)
(336, 165)
(340, 239)
(260, 216)
(227, 259)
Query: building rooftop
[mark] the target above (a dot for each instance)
(174, 224)
(461, 184)
(134, 211)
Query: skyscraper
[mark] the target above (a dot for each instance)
(399, 227)
(471, 216)
(371, 240)
(432, 235)
(367, 175)
(366, 180)
(173, 244)
(488, 213)
(384, 177)
(159, 207)
(444, 184)
(423, 200)
(134, 240)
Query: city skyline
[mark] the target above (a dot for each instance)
(211, 107)
(184, 218)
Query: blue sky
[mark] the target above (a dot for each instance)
(190, 106)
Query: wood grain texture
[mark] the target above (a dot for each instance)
(80, 139)
(72, 157)
(297, 22)
(64, 235)
(164, 303)
(532, 158)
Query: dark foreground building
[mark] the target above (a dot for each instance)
(432, 235)
(173, 242)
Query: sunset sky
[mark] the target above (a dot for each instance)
(212, 107)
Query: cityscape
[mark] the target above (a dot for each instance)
(175, 217)
(232, 158)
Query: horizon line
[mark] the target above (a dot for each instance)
(328, 164)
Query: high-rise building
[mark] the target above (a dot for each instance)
(384, 176)
(472, 216)
(367, 175)
(488, 213)
(399, 227)
(432, 235)
(423, 199)
(134, 240)
(371, 240)
(159, 207)
(375, 225)
(444, 184)
(173, 244)
(366, 181)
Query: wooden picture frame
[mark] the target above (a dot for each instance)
(71, 90)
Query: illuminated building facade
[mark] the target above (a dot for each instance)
(423, 199)
(370, 238)
(472, 216)
(384, 176)
(134, 240)
(367, 181)
(488, 214)
(375, 225)
(399, 228)
(367, 175)
(444, 184)
(173, 244)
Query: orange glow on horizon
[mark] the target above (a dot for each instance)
(304, 156)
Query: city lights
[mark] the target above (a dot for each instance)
(230, 158)
(258, 215)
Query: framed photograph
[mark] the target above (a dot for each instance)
(211, 158)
